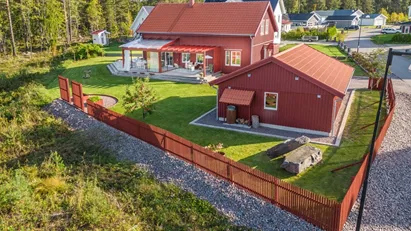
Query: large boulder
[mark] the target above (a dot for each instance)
(300, 159)
(287, 146)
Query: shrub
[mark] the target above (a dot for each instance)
(332, 32)
(85, 51)
(300, 32)
(94, 99)
(401, 38)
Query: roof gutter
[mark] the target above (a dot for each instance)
(182, 33)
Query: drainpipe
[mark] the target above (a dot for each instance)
(251, 49)
(216, 114)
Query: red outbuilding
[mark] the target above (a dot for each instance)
(300, 89)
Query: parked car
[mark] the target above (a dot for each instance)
(390, 31)
(352, 27)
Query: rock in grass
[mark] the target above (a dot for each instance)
(287, 146)
(300, 159)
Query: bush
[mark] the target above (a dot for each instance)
(94, 99)
(332, 32)
(401, 38)
(85, 51)
(300, 32)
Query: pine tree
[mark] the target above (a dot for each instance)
(349, 4)
(333, 4)
(95, 15)
(367, 6)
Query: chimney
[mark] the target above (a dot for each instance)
(191, 3)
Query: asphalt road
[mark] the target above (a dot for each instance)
(400, 66)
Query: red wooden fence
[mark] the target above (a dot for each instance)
(64, 88)
(353, 191)
(316, 209)
(77, 91)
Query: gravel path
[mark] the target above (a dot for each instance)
(241, 207)
(388, 203)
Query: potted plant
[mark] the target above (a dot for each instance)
(97, 100)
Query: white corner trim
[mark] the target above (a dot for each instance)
(293, 129)
(345, 118)
(194, 121)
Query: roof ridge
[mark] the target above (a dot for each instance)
(177, 19)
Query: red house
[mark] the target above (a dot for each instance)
(206, 37)
(300, 89)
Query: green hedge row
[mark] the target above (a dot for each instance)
(402, 38)
(85, 51)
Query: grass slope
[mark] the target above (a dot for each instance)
(53, 179)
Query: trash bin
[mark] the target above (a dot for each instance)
(255, 121)
(231, 114)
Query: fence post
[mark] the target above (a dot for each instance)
(164, 141)
(192, 153)
(229, 171)
(275, 187)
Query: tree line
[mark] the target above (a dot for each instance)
(367, 6)
(38, 25)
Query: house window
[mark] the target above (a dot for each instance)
(186, 57)
(262, 27)
(199, 58)
(267, 25)
(270, 100)
(233, 58)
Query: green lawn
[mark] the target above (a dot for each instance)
(286, 47)
(382, 38)
(180, 103)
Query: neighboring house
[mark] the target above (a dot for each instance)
(343, 21)
(227, 36)
(305, 20)
(100, 37)
(286, 23)
(324, 14)
(278, 8)
(405, 27)
(141, 16)
(373, 20)
(300, 89)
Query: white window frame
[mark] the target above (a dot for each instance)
(267, 26)
(262, 26)
(229, 55)
(276, 103)
(227, 60)
(184, 55)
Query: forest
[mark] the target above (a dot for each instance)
(38, 25)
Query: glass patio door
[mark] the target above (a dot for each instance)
(167, 60)
(152, 61)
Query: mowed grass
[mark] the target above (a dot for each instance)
(383, 39)
(180, 103)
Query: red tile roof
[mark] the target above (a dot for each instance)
(237, 97)
(230, 18)
(97, 31)
(308, 63)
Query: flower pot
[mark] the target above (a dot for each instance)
(100, 102)
(375, 83)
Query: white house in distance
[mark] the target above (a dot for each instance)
(409, 12)
(324, 14)
(100, 37)
(373, 20)
(278, 8)
(141, 16)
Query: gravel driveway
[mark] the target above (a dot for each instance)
(388, 203)
(242, 208)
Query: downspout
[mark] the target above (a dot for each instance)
(216, 114)
(251, 49)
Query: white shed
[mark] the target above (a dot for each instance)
(141, 16)
(100, 37)
(373, 20)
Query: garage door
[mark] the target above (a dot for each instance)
(378, 22)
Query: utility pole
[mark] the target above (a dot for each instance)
(13, 43)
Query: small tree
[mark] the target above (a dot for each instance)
(140, 95)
